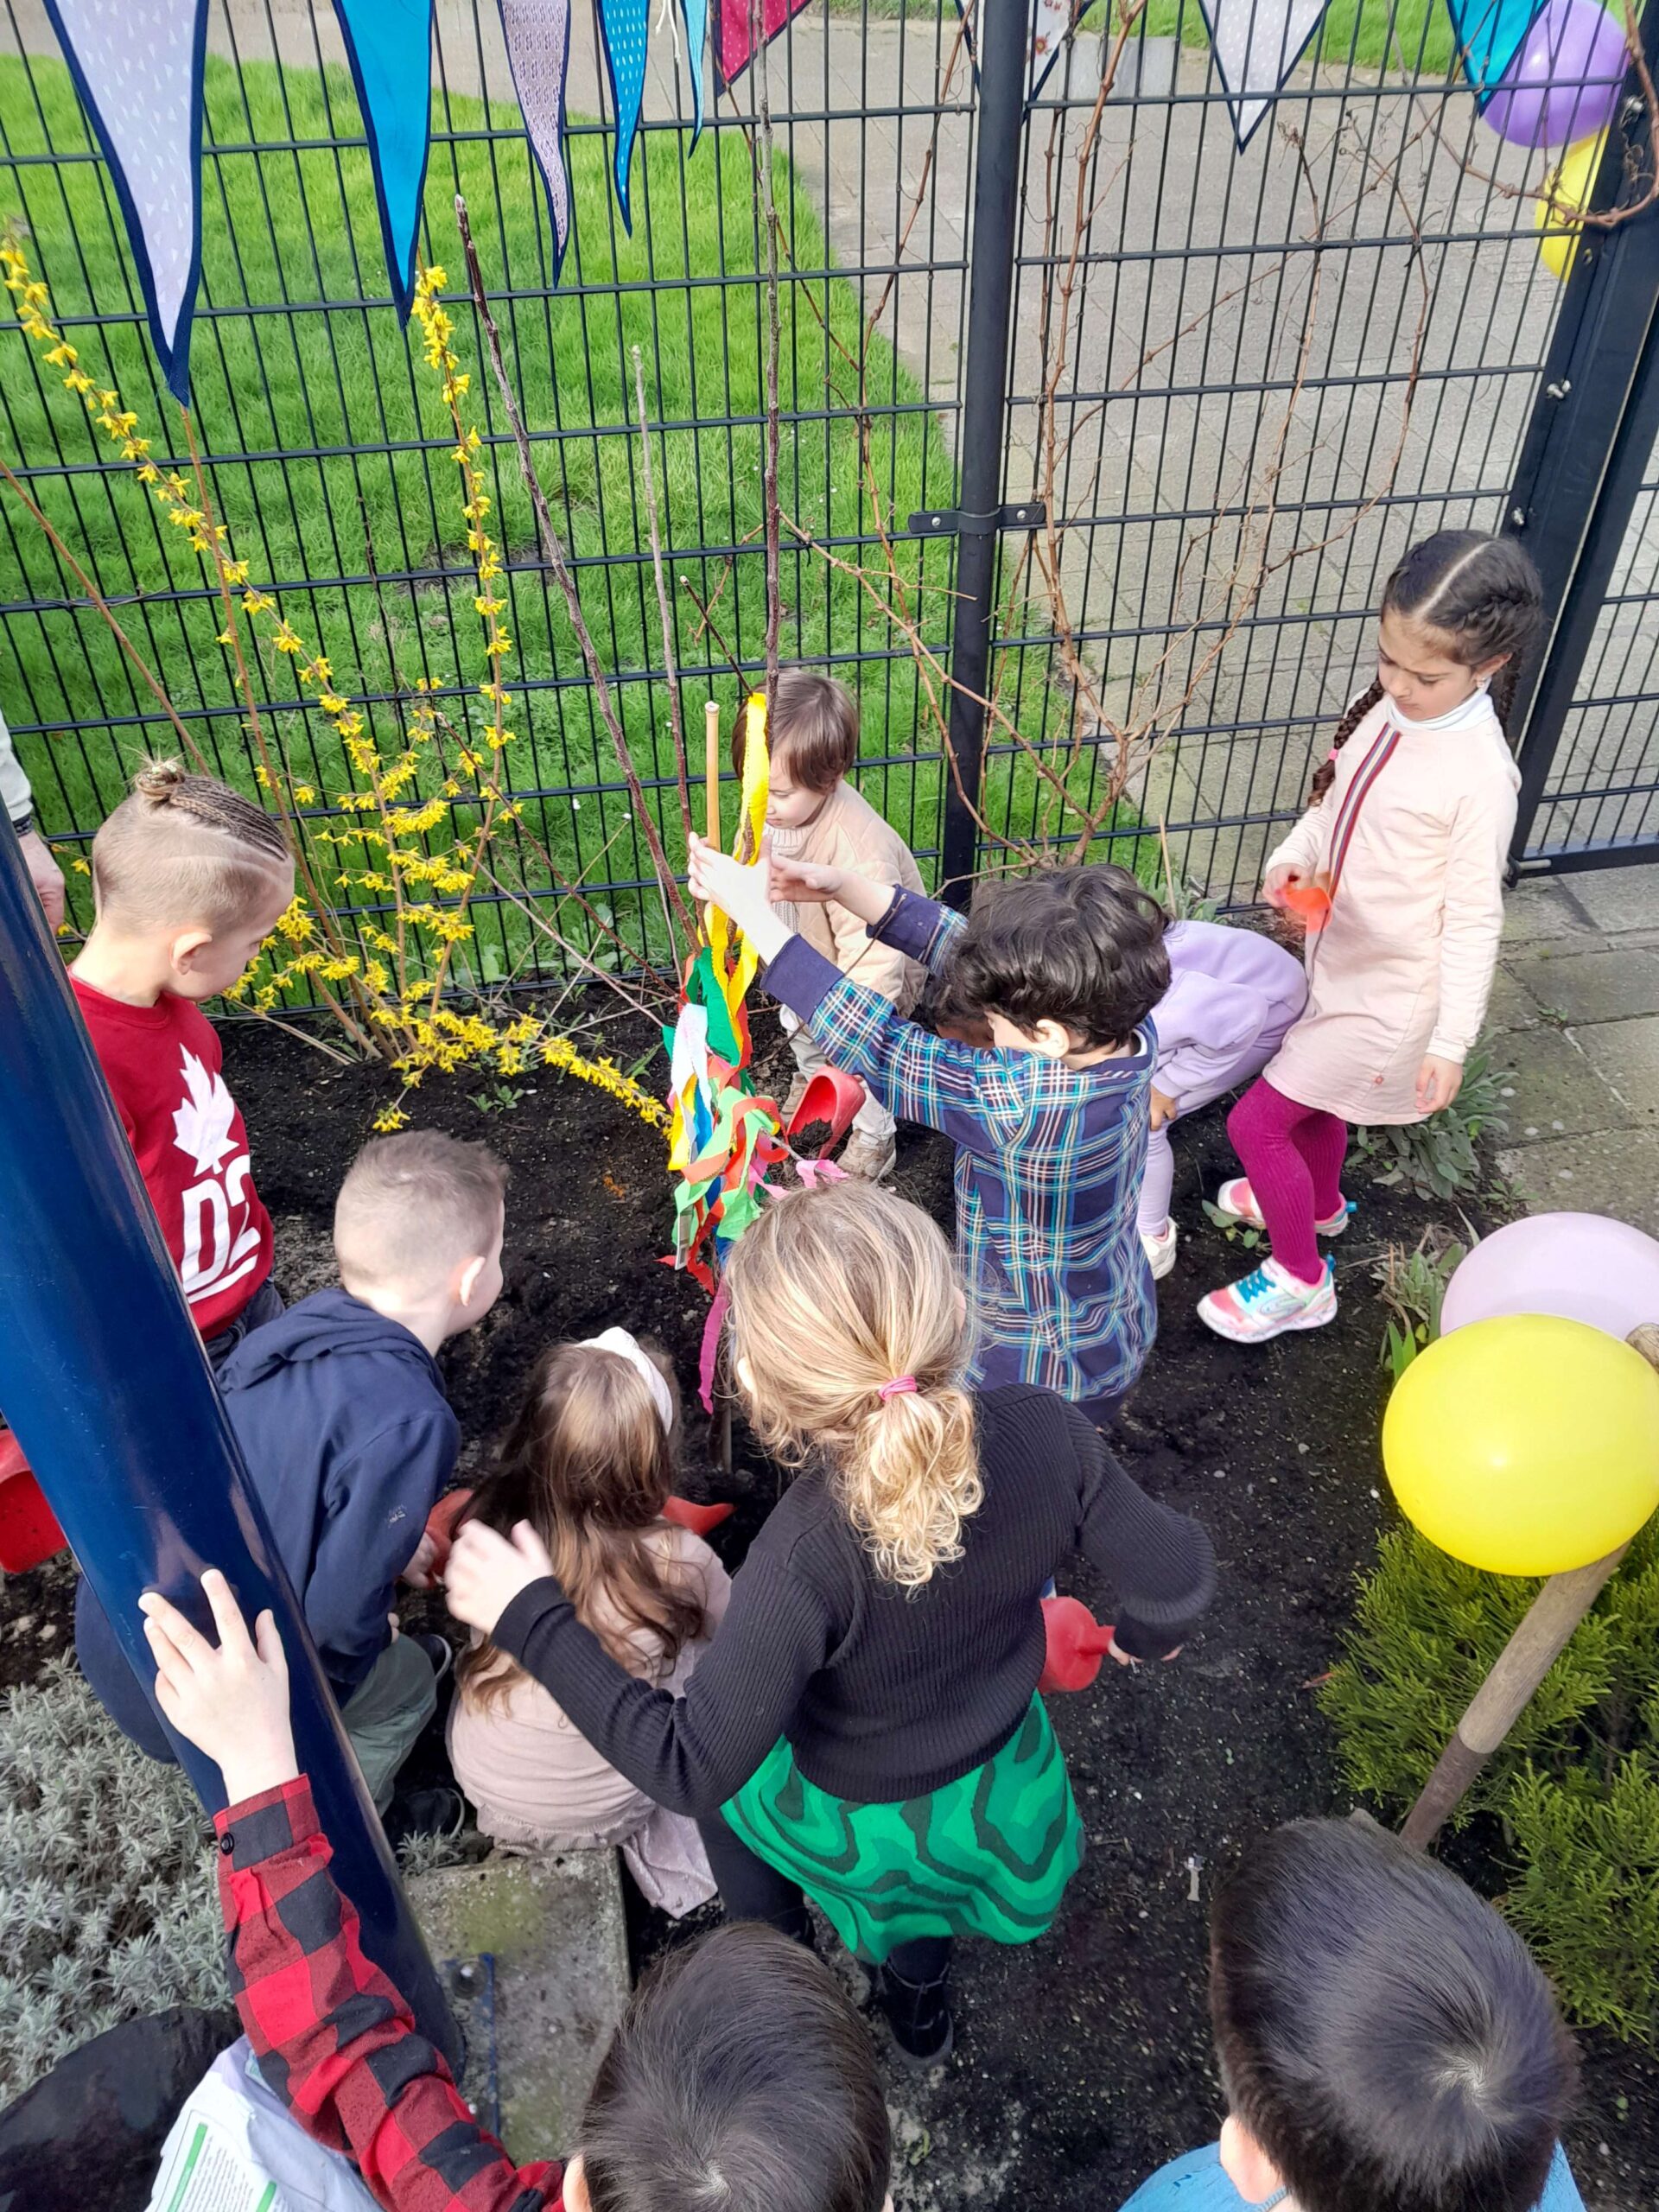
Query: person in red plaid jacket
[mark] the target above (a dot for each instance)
(741, 2080)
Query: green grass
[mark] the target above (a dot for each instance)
(302, 227)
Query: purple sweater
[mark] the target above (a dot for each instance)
(1228, 989)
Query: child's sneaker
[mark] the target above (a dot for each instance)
(871, 1159)
(1268, 1303)
(1239, 1199)
(1160, 1245)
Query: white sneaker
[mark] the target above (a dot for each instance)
(870, 1159)
(1160, 1245)
(1268, 1304)
(1239, 1199)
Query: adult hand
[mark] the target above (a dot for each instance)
(1164, 1108)
(485, 1572)
(232, 1703)
(46, 876)
(1437, 1083)
(1277, 881)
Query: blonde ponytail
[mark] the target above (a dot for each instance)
(847, 1324)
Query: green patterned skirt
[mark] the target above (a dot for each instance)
(990, 1854)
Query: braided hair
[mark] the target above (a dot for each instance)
(1481, 595)
(182, 849)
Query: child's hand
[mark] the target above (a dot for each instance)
(1437, 1083)
(485, 1572)
(1128, 1659)
(1163, 1108)
(1277, 881)
(233, 1702)
(807, 883)
(418, 1574)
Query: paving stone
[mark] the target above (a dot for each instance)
(1615, 1172)
(1511, 1004)
(555, 1927)
(1625, 1054)
(1592, 987)
(1556, 1091)
(1618, 898)
(1539, 908)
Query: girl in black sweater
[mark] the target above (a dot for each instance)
(865, 1728)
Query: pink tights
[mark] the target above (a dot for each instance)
(1293, 1155)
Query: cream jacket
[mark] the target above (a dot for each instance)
(847, 832)
(1412, 839)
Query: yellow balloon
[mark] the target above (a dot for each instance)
(1525, 1445)
(1565, 190)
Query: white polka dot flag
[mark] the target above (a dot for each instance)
(1257, 44)
(137, 67)
(1050, 25)
(538, 53)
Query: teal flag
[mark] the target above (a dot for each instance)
(1490, 33)
(389, 44)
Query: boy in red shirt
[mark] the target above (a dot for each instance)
(190, 879)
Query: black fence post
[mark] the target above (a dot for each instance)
(1582, 459)
(1004, 28)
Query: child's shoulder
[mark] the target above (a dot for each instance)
(868, 839)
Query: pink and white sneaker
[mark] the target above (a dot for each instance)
(1270, 1303)
(1239, 1199)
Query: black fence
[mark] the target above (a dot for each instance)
(1236, 386)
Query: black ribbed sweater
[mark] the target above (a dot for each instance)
(882, 1695)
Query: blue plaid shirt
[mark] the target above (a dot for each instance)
(1049, 1162)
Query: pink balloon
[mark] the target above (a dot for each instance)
(1564, 82)
(1584, 1267)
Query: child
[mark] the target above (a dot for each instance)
(1386, 2043)
(340, 1415)
(1408, 836)
(741, 2080)
(865, 1727)
(1050, 1128)
(814, 814)
(188, 880)
(1232, 995)
(589, 1463)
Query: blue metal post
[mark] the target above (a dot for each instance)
(103, 1376)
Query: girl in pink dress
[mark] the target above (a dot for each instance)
(1397, 870)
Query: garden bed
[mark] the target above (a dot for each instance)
(1082, 2060)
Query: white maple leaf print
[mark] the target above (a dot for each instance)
(201, 1125)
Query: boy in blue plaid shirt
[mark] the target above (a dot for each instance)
(1049, 1127)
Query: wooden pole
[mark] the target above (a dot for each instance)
(1536, 1644)
(711, 770)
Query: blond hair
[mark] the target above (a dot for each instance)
(835, 1293)
(413, 1207)
(182, 849)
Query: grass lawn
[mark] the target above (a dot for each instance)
(350, 494)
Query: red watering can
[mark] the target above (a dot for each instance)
(28, 1530)
(441, 1521)
(699, 1519)
(1077, 1644)
(833, 1097)
(1309, 902)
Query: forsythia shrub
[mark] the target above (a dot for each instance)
(1576, 1785)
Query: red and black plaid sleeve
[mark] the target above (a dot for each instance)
(333, 2038)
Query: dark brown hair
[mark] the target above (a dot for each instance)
(1386, 2038)
(413, 1206)
(182, 849)
(589, 1463)
(1082, 946)
(741, 2080)
(814, 725)
(1481, 595)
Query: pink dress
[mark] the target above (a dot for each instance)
(535, 1781)
(1412, 840)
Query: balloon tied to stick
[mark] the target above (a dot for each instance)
(1527, 1443)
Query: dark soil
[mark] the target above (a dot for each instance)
(1084, 2060)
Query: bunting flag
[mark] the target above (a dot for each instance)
(1050, 26)
(137, 68)
(538, 54)
(1490, 33)
(388, 45)
(696, 13)
(734, 32)
(1257, 44)
(721, 1137)
(625, 23)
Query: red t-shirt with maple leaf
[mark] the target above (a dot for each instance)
(162, 1066)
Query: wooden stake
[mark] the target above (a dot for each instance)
(711, 769)
(1537, 1644)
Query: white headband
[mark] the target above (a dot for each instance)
(619, 1342)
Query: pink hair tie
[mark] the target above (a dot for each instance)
(1332, 754)
(896, 1389)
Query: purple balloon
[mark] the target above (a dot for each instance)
(1584, 1267)
(1564, 81)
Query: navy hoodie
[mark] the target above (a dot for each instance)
(349, 1438)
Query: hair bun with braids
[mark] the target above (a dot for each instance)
(158, 781)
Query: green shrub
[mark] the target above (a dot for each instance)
(1437, 1159)
(1576, 1785)
(107, 1895)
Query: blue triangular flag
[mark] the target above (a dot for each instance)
(625, 23)
(696, 13)
(137, 69)
(388, 45)
(1490, 33)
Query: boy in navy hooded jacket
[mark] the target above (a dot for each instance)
(340, 1413)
